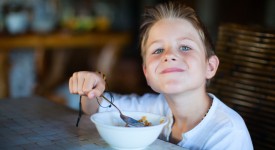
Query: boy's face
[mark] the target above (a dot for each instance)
(175, 59)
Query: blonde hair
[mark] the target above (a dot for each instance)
(173, 10)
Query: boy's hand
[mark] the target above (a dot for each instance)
(90, 84)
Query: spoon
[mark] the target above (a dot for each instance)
(128, 120)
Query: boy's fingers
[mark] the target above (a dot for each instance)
(91, 95)
(85, 83)
(97, 91)
(74, 83)
(71, 85)
(80, 82)
(89, 83)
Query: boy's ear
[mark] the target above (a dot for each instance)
(212, 67)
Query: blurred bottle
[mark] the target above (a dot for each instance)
(16, 17)
(45, 16)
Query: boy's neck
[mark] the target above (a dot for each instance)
(188, 112)
(189, 109)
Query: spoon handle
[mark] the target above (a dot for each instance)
(111, 103)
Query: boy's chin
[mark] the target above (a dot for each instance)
(170, 90)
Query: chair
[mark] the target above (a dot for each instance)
(246, 78)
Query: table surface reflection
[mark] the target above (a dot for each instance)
(37, 123)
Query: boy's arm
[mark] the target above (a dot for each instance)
(90, 106)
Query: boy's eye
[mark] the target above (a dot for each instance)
(185, 48)
(158, 51)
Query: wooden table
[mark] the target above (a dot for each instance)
(109, 45)
(37, 123)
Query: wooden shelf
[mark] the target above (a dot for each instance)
(115, 41)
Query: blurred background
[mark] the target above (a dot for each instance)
(42, 42)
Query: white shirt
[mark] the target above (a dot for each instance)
(221, 129)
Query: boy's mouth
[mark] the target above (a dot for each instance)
(171, 70)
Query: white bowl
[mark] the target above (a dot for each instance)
(112, 129)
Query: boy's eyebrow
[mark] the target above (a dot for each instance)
(185, 38)
(155, 41)
(159, 40)
(178, 39)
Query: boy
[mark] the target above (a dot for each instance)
(178, 61)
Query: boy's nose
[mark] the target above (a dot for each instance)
(168, 58)
(170, 55)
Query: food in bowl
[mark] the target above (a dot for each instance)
(112, 129)
(145, 121)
